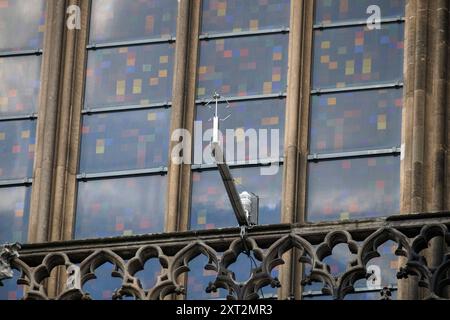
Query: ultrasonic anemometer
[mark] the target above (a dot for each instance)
(246, 204)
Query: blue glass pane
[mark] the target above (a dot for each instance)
(138, 75)
(210, 204)
(243, 116)
(243, 66)
(27, 21)
(125, 140)
(353, 188)
(17, 146)
(11, 290)
(104, 286)
(121, 20)
(237, 15)
(355, 56)
(117, 207)
(356, 121)
(331, 11)
(14, 214)
(19, 85)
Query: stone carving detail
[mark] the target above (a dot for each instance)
(8, 252)
(81, 265)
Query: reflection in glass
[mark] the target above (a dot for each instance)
(19, 85)
(249, 15)
(118, 207)
(125, 140)
(27, 19)
(248, 115)
(358, 120)
(353, 188)
(210, 204)
(14, 214)
(260, 62)
(120, 20)
(332, 11)
(17, 147)
(137, 75)
(355, 56)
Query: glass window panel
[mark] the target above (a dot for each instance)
(27, 19)
(104, 286)
(14, 210)
(120, 20)
(17, 146)
(353, 188)
(125, 140)
(243, 66)
(137, 75)
(236, 15)
(117, 207)
(210, 205)
(331, 11)
(10, 289)
(19, 85)
(356, 121)
(355, 56)
(248, 115)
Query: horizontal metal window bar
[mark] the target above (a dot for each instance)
(239, 164)
(395, 85)
(354, 154)
(207, 36)
(19, 53)
(106, 45)
(16, 182)
(313, 294)
(280, 95)
(122, 174)
(321, 26)
(21, 117)
(159, 105)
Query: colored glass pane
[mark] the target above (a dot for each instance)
(22, 24)
(125, 140)
(137, 75)
(210, 204)
(357, 120)
(250, 15)
(121, 20)
(120, 207)
(14, 212)
(332, 11)
(245, 122)
(243, 66)
(357, 56)
(353, 188)
(19, 85)
(17, 147)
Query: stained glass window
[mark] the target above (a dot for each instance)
(19, 85)
(17, 146)
(124, 141)
(211, 208)
(356, 120)
(260, 62)
(120, 207)
(353, 188)
(253, 115)
(236, 15)
(332, 11)
(27, 19)
(14, 210)
(354, 56)
(10, 290)
(119, 20)
(137, 75)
